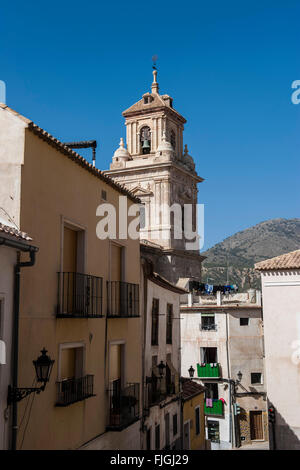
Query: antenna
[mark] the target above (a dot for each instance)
(154, 59)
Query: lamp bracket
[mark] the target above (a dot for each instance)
(17, 394)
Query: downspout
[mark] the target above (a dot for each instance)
(230, 384)
(15, 339)
(144, 330)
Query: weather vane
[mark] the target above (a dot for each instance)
(154, 59)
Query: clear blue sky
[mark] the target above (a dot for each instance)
(73, 67)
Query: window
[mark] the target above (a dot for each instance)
(148, 443)
(173, 140)
(142, 216)
(155, 324)
(256, 378)
(169, 323)
(244, 321)
(71, 361)
(213, 431)
(175, 428)
(157, 437)
(208, 355)
(145, 140)
(208, 322)
(197, 420)
(167, 430)
(211, 390)
(103, 195)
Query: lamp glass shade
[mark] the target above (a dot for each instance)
(239, 375)
(43, 367)
(191, 371)
(161, 368)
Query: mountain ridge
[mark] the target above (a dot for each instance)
(232, 260)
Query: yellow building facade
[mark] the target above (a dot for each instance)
(193, 415)
(80, 300)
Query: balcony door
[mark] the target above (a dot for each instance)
(70, 250)
(74, 290)
(117, 275)
(208, 355)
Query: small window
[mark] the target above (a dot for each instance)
(155, 320)
(142, 216)
(208, 322)
(157, 437)
(169, 323)
(197, 419)
(175, 428)
(103, 195)
(213, 431)
(244, 321)
(173, 140)
(256, 378)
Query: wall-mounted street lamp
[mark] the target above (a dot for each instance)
(43, 367)
(239, 376)
(191, 371)
(161, 370)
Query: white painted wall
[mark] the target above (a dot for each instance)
(7, 262)
(281, 311)
(157, 413)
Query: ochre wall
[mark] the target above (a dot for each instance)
(197, 442)
(53, 188)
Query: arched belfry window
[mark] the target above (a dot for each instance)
(173, 139)
(145, 140)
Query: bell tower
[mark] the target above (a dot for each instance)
(156, 169)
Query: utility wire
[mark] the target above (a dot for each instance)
(29, 414)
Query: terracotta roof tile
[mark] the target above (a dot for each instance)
(18, 234)
(71, 154)
(191, 389)
(287, 261)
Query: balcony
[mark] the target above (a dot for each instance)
(122, 299)
(123, 407)
(208, 370)
(72, 390)
(211, 327)
(217, 408)
(79, 296)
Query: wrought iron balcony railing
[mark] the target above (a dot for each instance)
(72, 390)
(212, 327)
(155, 391)
(123, 407)
(79, 295)
(122, 299)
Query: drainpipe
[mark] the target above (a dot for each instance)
(15, 339)
(145, 268)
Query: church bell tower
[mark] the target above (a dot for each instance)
(159, 171)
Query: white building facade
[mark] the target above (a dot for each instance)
(280, 278)
(162, 418)
(221, 337)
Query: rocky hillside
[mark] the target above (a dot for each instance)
(233, 259)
